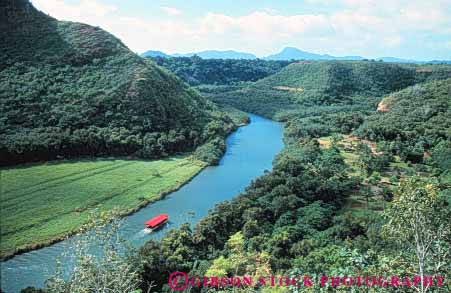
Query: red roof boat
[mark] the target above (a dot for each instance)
(157, 221)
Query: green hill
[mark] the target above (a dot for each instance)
(414, 120)
(197, 71)
(330, 85)
(70, 89)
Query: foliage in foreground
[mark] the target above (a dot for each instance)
(418, 220)
(294, 221)
(101, 261)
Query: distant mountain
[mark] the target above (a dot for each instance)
(440, 62)
(397, 60)
(213, 54)
(400, 60)
(290, 53)
(151, 53)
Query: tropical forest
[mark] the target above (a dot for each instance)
(275, 176)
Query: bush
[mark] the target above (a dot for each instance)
(211, 152)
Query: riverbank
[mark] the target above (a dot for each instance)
(249, 153)
(75, 187)
(44, 204)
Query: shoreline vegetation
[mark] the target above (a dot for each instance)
(194, 168)
(197, 160)
(361, 187)
(342, 194)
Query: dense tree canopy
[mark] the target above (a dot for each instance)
(276, 214)
(196, 71)
(310, 88)
(69, 89)
(414, 121)
(296, 220)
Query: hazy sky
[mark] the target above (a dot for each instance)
(414, 29)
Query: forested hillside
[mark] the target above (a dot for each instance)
(413, 121)
(70, 89)
(310, 88)
(342, 195)
(361, 189)
(196, 71)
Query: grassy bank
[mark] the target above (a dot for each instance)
(42, 203)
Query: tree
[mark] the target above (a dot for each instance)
(441, 155)
(240, 262)
(365, 158)
(112, 270)
(419, 219)
(335, 139)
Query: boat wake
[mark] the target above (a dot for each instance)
(142, 233)
(147, 230)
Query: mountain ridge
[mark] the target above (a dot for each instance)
(286, 54)
(218, 54)
(152, 53)
(289, 53)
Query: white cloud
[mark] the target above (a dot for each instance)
(371, 28)
(85, 10)
(171, 11)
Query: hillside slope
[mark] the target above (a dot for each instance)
(197, 71)
(414, 120)
(332, 84)
(70, 89)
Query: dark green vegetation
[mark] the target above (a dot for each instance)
(196, 71)
(277, 211)
(341, 198)
(313, 88)
(342, 195)
(71, 90)
(412, 121)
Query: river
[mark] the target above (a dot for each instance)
(250, 151)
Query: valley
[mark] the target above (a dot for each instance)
(248, 155)
(287, 167)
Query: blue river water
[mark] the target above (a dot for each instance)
(250, 151)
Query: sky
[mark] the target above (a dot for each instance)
(410, 29)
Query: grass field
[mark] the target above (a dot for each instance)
(41, 203)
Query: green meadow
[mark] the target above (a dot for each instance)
(42, 203)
